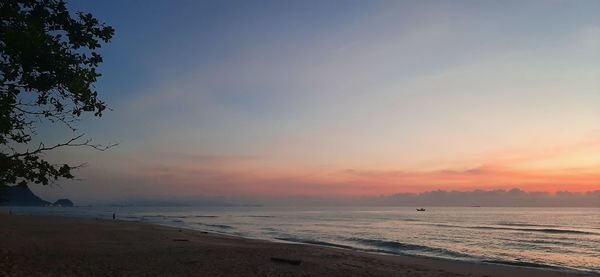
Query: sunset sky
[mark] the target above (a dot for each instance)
(342, 98)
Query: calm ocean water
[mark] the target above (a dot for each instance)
(563, 238)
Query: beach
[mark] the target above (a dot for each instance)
(62, 246)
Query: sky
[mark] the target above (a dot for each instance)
(341, 99)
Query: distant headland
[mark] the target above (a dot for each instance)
(21, 195)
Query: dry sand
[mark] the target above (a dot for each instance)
(56, 246)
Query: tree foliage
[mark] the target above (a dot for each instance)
(48, 62)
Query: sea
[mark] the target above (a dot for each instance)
(549, 238)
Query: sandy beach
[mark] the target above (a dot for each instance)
(57, 246)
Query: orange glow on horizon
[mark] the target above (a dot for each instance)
(536, 170)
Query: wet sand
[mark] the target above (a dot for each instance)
(58, 246)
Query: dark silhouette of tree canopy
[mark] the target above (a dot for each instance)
(48, 64)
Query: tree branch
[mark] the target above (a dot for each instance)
(70, 143)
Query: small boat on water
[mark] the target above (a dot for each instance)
(421, 210)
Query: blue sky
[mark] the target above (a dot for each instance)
(225, 95)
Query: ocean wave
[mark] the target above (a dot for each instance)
(184, 216)
(503, 223)
(549, 242)
(316, 242)
(410, 219)
(269, 229)
(521, 263)
(542, 230)
(400, 247)
(219, 226)
(539, 225)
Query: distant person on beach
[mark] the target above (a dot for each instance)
(114, 216)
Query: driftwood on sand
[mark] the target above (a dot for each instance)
(287, 261)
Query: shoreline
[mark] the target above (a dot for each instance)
(385, 253)
(502, 263)
(38, 243)
(540, 267)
